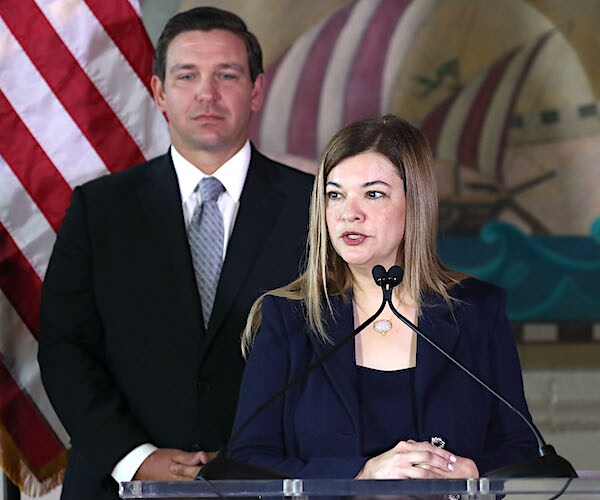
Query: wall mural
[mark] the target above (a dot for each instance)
(506, 94)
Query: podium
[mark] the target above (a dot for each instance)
(585, 488)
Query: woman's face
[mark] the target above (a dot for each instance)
(365, 210)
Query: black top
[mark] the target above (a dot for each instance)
(386, 408)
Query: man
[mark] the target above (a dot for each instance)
(152, 275)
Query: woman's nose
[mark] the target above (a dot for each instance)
(352, 212)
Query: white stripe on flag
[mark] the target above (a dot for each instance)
(24, 222)
(54, 129)
(19, 357)
(110, 72)
(136, 6)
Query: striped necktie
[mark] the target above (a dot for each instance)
(205, 237)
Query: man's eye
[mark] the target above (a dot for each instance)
(187, 76)
(227, 76)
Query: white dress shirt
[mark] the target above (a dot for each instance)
(232, 175)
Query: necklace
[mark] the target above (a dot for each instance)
(382, 326)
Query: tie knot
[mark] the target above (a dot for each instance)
(210, 188)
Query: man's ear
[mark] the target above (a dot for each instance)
(258, 93)
(158, 92)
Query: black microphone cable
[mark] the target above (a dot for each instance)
(223, 465)
(554, 464)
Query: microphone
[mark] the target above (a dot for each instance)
(225, 467)
(549, 463)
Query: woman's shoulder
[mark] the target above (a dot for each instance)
(271, 301)
(476, 290)
(288, 311)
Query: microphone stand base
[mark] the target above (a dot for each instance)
(543, 467)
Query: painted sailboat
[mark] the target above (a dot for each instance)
(469, 130)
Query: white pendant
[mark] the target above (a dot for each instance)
(382, 326)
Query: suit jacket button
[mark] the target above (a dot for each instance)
(204, 385)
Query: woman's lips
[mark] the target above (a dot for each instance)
(353, 239)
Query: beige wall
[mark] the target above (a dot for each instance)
(562, 385)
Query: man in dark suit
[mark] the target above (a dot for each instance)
(143, 373)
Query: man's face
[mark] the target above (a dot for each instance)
(207, 93)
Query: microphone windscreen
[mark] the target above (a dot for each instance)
(379, 274)
(396, 273)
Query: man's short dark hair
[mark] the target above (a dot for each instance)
(206, 19)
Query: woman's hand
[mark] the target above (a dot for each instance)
(463, 468)
(413, 460)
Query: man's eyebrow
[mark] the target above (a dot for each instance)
(192, 66)
(231, 65)
(180, 67)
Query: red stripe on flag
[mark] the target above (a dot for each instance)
(68, 81)
(19, 282)
(363, 87)
(126, 29)
(31, 165)
(26, 426)
(302, 130)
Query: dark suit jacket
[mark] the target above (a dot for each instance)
(124, 355)
(314, 430)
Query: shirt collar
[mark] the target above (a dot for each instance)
(232, 173)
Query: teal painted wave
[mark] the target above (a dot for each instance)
(548, 278)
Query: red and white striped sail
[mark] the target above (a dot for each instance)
(74, 105)
(342, 69)
(470, 128)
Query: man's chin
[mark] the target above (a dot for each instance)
(210, 142)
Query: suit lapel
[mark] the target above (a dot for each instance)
(259, 207)
(341, 367)
(161, 201)
(439, 325)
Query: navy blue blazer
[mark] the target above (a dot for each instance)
(313, 431)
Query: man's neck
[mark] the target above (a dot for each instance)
(208, 162)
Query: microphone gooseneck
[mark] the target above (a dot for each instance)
(549, 463)
(224, 467)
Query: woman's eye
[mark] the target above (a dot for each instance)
(375, 194)
(332, 195)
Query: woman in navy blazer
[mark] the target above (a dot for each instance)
(388, 405)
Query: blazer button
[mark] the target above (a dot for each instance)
(204, 386)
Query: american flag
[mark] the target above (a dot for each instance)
(75, 104)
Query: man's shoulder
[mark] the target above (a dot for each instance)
(280, 172)
(127, 178)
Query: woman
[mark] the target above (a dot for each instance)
(372, 409)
